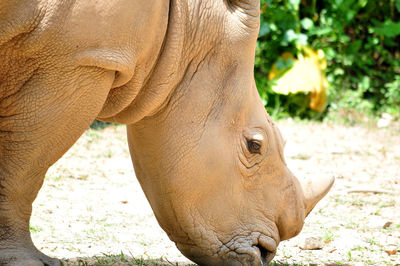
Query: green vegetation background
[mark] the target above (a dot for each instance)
(361, 41)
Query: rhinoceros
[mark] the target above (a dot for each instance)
(179, 74)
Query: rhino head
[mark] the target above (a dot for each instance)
(210, 159)
(180, 74)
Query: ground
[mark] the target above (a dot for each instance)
(91, 209)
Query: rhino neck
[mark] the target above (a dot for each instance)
(165, 75)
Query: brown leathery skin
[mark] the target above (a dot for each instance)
(180, 75)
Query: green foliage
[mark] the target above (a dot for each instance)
(361, 41)
(99, 125)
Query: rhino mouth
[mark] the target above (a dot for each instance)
(267, 249)
(266, 255)
(255, 249)
(259, 250)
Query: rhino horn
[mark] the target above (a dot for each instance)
(315, 189)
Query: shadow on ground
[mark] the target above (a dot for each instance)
(120, 260)
(123, 259)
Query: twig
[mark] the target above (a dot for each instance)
(170, 262)
(370, 190)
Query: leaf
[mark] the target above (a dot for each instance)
(298, 38)
(307, 23)
(264, 29)
(305, 75)
(397, 3)
(350, 15)
(321, 31)
(354, 47)
(290, 35)
(388, 29)
(391, 252)
(363, 3)
(294, 2)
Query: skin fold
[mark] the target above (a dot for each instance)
(179, 74)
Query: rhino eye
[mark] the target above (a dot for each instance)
(254, 146)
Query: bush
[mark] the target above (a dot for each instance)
(360, 39)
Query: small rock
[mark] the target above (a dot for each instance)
(378, 223)
(387, 224)
(311, 243)
(387, 116)
(385, 120)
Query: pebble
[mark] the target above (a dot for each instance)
(311, 243)
(387, 224)
(385, 120)
(378, 222)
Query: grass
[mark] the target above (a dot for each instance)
(300, 156)
(35, 229)
(119, 259)
(328, 236)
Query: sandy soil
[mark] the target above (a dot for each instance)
(91, 210)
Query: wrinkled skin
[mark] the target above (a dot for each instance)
(180, 75)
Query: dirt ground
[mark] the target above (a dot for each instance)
(92, 211)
